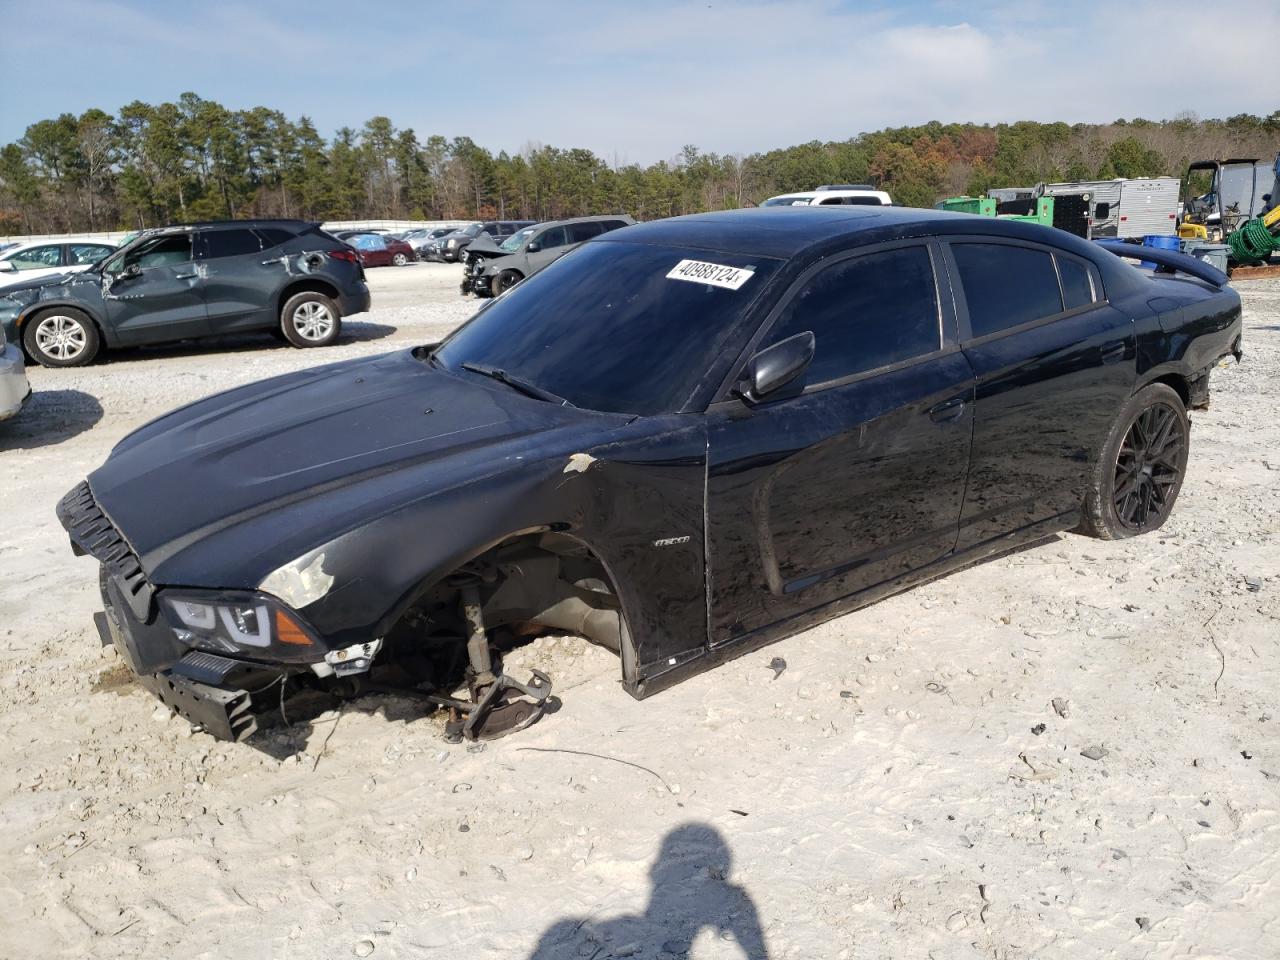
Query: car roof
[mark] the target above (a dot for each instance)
(21, 245)
(787, 232)
(287, 223)
(595, 218)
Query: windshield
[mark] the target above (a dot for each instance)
(606, 328)
(512, 243)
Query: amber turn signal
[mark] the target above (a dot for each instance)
(288, 631)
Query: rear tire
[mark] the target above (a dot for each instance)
(400, 260)
(504, 282)
(310, 319)
(61, 337)
(1136, 479)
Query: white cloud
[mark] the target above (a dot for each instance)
(641, 79)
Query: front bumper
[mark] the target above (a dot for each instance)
(206, 688)
(15, 389)
(202, 688)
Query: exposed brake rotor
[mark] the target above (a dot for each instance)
(507, 707)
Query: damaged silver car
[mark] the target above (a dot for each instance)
(191, 281)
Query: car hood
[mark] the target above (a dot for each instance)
(291, 462)
(485, 248)
(35, 283)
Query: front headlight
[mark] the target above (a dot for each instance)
(248, 624)
(452, 244)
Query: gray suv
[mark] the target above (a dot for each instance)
(454, 245)
(191, 281)
(496, 267)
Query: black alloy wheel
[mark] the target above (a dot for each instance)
(1149, 467)
(1135, 478)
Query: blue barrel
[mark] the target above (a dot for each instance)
(1161, 243)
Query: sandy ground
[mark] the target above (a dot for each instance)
(905, 787)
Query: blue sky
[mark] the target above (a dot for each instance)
(634, 81)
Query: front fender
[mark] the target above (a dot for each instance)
(95, 310)
(636, 502)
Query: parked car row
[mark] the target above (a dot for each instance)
(450, 247)
(493, 268)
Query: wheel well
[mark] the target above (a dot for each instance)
(310, 285)
(1178, 383)
(530, 585)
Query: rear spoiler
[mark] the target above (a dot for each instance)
(1168, 259)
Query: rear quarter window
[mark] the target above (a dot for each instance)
(1006, 285)
(1078, 289)
(273, 236)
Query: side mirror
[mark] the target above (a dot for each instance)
(774, 367)
(6, 266)
(532, 248)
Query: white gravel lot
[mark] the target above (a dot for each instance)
(905, 788)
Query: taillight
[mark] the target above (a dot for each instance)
(347, 255)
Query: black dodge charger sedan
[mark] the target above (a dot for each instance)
(681, 441)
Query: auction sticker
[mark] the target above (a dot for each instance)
(715, 274)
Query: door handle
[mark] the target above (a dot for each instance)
(1114, 353)
(185, 276)
(947, 410)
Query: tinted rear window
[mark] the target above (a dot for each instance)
(1006, 285)
(606, 328)
(274, 236)
(230, 243)
(579, 232)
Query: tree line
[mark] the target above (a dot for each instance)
(195, 159)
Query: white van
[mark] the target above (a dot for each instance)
(842, 194)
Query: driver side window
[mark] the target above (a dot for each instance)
(157, 252)
(865, 312)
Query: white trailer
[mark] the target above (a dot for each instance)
(1148, 207)
(1126, 209)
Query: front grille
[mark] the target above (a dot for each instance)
(92, 533)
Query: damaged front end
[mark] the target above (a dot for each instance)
(206, 654)
(201, 653)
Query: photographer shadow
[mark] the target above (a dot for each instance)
(690, 893)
